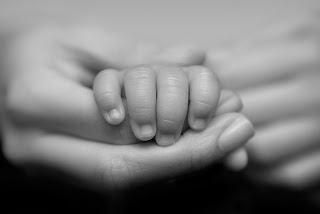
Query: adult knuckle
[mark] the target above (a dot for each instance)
(202, 152)
(113, 173)
(119, 172)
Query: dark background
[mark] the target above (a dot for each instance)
(214, 190)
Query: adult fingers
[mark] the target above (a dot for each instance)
(237, 160)
(298, 173)
(283, 140)
(140, 88)
(107, 92)
(282, 99)
(204, 96)
(300, 26)
(230, 102)
(172, 103)
(109, 166)
(258, 65)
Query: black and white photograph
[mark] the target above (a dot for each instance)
(158, 106)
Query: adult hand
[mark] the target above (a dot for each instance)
(276, 73)
(50, 119)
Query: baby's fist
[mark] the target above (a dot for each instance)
(159, 99)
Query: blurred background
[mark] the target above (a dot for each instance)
(206, 23)
(203, 22)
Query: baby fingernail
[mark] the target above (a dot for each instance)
(146, 132)
(199, 124)
(165, 140)
(240, 131)
(113, 116)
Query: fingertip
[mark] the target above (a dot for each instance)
(114, 116)
(147, 132)
(236, 134)
(237, 160)
(107, 88)
(143, 132)
(197, 124)
(165, 140)
(229, 102)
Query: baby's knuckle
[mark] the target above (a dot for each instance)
(205, 97)
(139, 74)
(142, 111)
(204, 107)
(106, 98)
(169, 124)
(175, 81)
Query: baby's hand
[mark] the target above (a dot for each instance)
(159, 99)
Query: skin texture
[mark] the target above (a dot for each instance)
(157, 99)
(276, 73)
(50, 120)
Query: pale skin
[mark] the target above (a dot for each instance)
(162, 101)
(159, 99)
(276, 73)
(50, 118)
